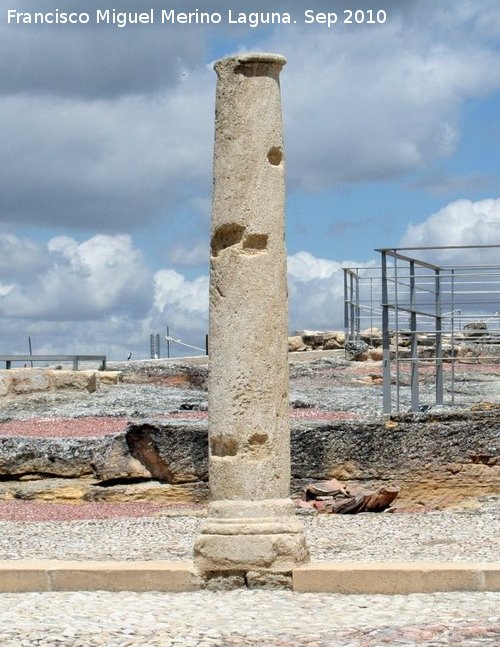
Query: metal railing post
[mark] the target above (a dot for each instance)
(386, 353)
(415, 399)
(346, 305)
(439, 341)
(358, 309)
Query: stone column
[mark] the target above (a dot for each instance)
(251, 527)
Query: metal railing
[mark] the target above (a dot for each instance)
(435, 317)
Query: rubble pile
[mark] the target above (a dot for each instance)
(334, 498)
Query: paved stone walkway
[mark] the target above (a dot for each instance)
(248, 618)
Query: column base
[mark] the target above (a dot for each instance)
(251, 536)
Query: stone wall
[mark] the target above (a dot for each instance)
(474, 343)
(369, 347)
(22, 381)
(436, 460)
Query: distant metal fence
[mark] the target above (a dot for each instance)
(435, 318)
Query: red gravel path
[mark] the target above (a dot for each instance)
(43, 511)
(62, 427)
(80, 427)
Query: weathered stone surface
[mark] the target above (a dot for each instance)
(357, 350)
(331, 497)
(319, 339)
(184, 375)
(5, 383)
(114, 461)
(67, 457)
(272, 552)
(295, 344)
(248, 388)
(332, 344)
(110, 377)
(25, 380)
(266, 580)
(379, 449)
(435, 459)
(172, 453)
(81, 380)
(372, 336)
(375, 354)
(413, 453)
(152, 491)
(78, 490)
(249, 434)
(54, 490)
(175, 453)
(475, 329)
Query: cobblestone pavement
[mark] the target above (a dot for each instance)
(251, 618)
(254, 618)
(248, 618)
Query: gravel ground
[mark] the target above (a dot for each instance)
(130, 534)
(58, 427)
(328, 388)
(253, 618)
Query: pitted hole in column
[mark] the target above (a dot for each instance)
(221, 446)
(255, 242)
(275, 156)
(253, 68)
(257, 440)
(225, 236)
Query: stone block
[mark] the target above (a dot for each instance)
(276, 553)
(114, 461)
(23, 577)
(296, 344)
(387, 578)
(5, 383)
(27, 380)
(173, 577)
(491, 577)
(110, 377)
(375, 354)
(79, 380)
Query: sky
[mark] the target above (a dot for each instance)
(392, 138)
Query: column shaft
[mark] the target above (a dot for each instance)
(251, 523)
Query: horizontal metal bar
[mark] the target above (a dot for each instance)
(441, 247)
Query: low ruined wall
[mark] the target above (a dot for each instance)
(22, 381)
(469, 344)
(436, 460)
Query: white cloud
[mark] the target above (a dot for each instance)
(316, 291)
(185, 255)
(459, 223)
(82, 281)
(303, 266)
(173, 290)
(5, 288)
(372, 104)
(97, 296)
(19, 256)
